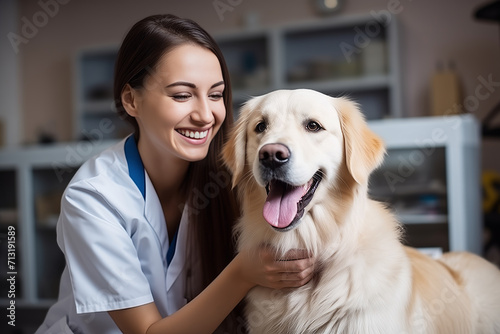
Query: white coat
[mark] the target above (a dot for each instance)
(113, 234)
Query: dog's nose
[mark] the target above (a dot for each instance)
(274, 155)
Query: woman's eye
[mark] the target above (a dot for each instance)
(181, 97)
(216, 96)
(313, 126)
(261, 127)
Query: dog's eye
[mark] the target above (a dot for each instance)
(261, 127)
(313, 126)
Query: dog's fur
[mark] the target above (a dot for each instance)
(366, 280)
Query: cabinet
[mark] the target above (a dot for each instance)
(355, 56)
(94, 109)
(431, 179)
(32, 182)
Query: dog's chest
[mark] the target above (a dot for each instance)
(318, 308)
(301, 310)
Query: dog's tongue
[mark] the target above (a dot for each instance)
(281, 204)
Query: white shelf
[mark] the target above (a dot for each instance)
(430, 187)
(372, 82)
(423, 218)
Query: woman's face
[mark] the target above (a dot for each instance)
(181, 106)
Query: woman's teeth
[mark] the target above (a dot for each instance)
(194, 134)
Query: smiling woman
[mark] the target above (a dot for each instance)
(139, 246)
(182, 95)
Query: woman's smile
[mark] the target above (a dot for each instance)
(194, 136)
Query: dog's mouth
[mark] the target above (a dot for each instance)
(285, 203)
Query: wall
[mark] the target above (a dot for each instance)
(431, 31)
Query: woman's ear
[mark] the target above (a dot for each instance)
(129, 100)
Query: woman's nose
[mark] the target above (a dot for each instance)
(202, 112)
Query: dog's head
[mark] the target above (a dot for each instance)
(296, 143)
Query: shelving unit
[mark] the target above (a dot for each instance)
(431, 179)
(354, 56)
(33, 180)
(93, 95)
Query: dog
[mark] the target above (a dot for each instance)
(300, 161)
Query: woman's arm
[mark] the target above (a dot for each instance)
(205, 313)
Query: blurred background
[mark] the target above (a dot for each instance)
(426, 72)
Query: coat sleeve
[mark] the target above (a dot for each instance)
(102, 260)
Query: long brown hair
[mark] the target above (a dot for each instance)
(212, 204)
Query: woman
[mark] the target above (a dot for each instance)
(146, 225)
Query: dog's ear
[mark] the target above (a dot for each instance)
(364, 150)
(234, 150)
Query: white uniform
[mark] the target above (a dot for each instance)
(113, 234)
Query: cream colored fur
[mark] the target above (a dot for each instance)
(366, 281)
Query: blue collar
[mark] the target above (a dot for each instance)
(171, 249)
(135, 166)
(136, 172)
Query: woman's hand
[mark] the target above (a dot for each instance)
(263, 268)
(213, 304)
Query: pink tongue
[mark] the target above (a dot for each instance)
(281, 204)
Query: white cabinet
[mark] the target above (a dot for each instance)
(431, 179)
(32, 182)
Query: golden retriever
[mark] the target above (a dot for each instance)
(301, 161)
